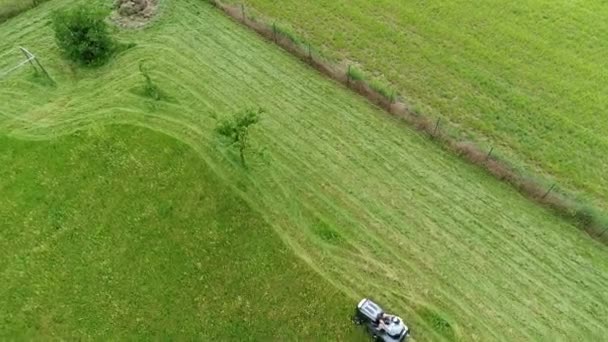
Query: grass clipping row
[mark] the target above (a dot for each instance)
(590, 219)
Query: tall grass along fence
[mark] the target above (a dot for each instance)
(16, 7)
(587, 217)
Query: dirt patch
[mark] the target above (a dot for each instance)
(134, 13)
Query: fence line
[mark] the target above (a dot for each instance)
(588, 218)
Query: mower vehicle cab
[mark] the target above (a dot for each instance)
(381, 326)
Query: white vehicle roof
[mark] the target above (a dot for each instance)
(370, 309)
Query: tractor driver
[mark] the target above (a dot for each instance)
(391, 325)
(385, 322)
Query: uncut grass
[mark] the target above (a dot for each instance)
(125, 233)
(375, 208)
(529, 84)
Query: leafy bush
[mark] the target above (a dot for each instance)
(383, 90)
(83, 36)
(285, 33)
(355, 74)
(594, 220)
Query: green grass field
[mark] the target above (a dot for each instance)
(373, 207)
(91, 251)
(524, 76)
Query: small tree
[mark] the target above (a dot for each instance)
(236, 129)
(82, 34)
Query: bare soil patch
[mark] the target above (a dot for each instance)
(134, 13)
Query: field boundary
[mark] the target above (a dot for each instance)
(588, 218)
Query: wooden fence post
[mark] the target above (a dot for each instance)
(348, 71)
(490, 153)
(548, 191)
(436, 127)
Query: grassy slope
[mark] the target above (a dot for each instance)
(372, 206)
(125, 233)
(530, 83)
(11, 8)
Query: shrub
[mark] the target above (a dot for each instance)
(383, 90)
(83, 36)
(354, 74)
(285, 33)
(589, 217)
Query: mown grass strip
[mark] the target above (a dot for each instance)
(529, 85)
(418, 228)
(586, 216)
